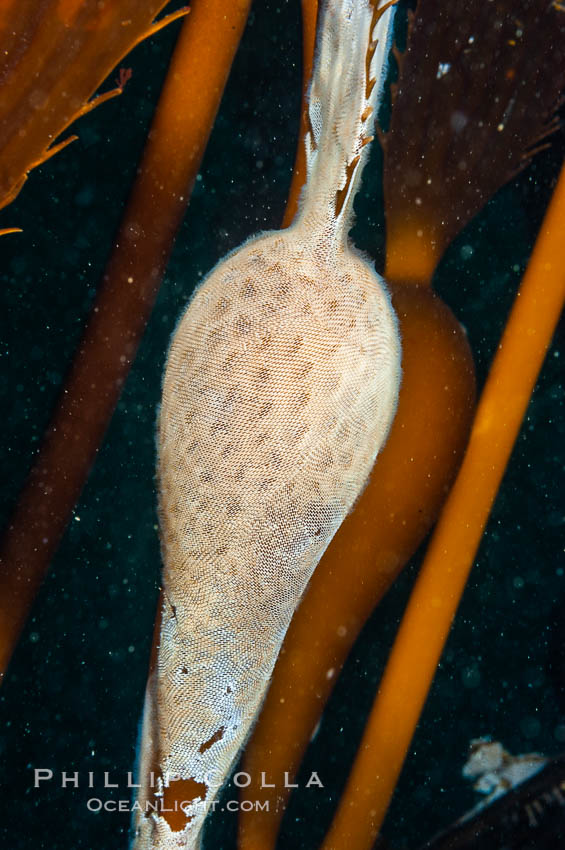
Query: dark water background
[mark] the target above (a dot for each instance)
(74, 693)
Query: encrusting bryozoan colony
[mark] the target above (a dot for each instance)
(280, 387)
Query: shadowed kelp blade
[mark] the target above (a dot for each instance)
(55, 54)
(487, 105)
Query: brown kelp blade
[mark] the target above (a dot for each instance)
(55, 54)
(478, 87)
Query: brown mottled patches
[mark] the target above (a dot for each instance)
(206, 477)
(221, 307)
(231, 397)
(242, 325)
(217, 427)
(332, 305)
(305, 369)
(227, 450)
(248, 289)
(265, 409)
(296, 344)
(300, 430)
(263, 375)
(302, 399)
(213, 337)
(281, 288)
(229, 361)
(233, 509)
(265, 483)
(269, 309)
(289, 487)
(240, 474)
(262, 438)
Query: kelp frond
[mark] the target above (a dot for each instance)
(488, 105)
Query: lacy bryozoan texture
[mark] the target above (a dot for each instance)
(279, 390)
